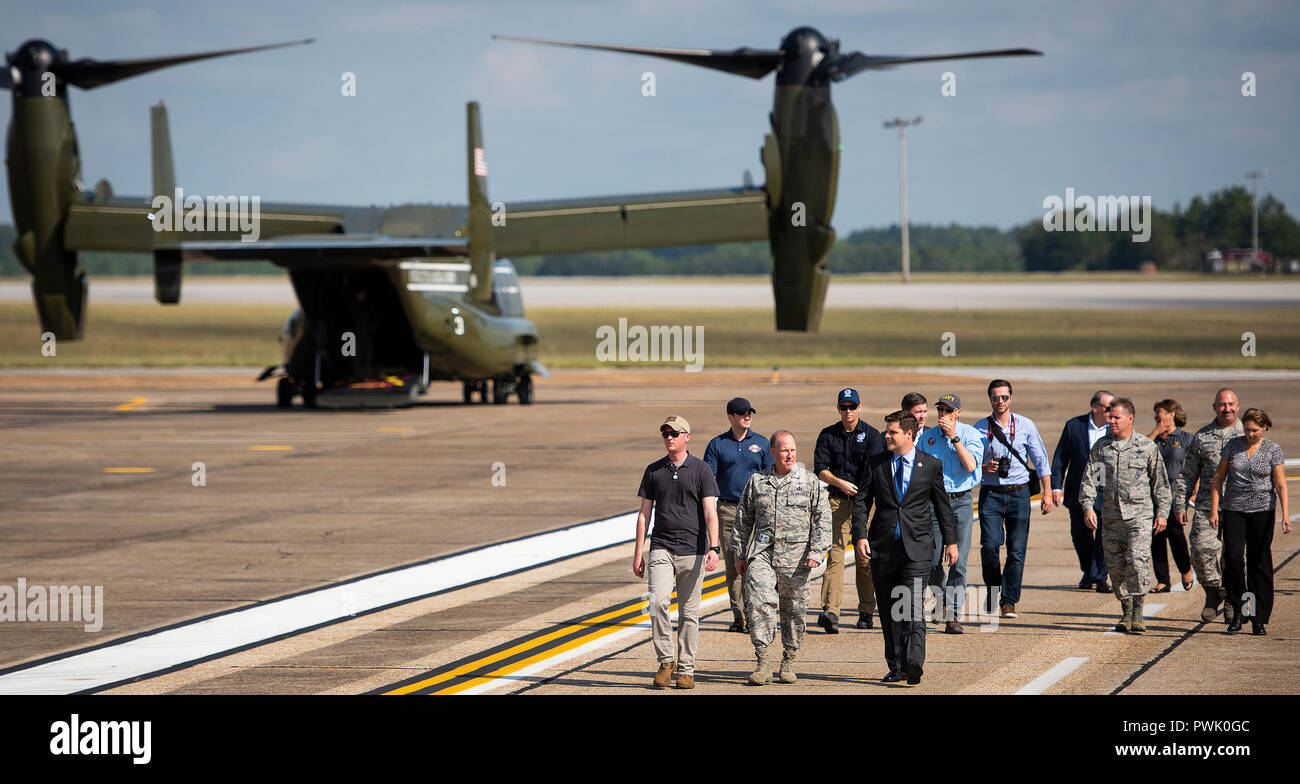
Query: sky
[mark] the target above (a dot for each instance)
(1129, 98)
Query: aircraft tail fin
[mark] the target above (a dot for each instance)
(482, 253)
(166, 256)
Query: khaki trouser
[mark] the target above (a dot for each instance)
(685, 573)
(833, 579)
(735, 582)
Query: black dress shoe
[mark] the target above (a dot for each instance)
(865, 622)
(1258, 628)
(1234, 626)
(894, 676)
(1085, 584)
(737, 626)
(1103, 586)
(914, 673)
(829, 622)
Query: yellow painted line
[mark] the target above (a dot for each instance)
(128, 470)
(530, 644)
(395, 429)
(595, 634)
(271, 448)
(135, 401)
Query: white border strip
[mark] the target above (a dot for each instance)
(170, 648)
(1048, 679)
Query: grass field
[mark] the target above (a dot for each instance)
(215, 335)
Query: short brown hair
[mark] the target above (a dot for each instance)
(1171, 406)
(1124, 403)
(1257, 416)
(906, 422)
(913, 399)
(1000, 382)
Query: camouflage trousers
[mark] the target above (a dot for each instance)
(1128, 554)
(773, 597)
(1204, 543)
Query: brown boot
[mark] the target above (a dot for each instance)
(1137, 624)
(1126, 619)
(686, 681)
(787, 668)
(665, 674)
(762, 674)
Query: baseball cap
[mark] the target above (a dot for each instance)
(848, 395)
(676, 423)
(951, 401)
(739, 405)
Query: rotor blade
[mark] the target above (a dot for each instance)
(754, 63)
(846, 65)
(87, 73)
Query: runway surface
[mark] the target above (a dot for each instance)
(684, 292)
(349, 512)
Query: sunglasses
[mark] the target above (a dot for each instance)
(943, 409)
(671, 433)
(848, 408)
(999, 398)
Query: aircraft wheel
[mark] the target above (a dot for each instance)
(469, 392)
(309, 395)
(500, 391)
(284, 392)
(525, 389)
(482, 391)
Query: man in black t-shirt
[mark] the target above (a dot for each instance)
(682, 492)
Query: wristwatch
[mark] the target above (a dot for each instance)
(717, 550)
(955, 440)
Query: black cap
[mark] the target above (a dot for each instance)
(739, 405)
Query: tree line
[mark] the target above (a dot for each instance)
(1178, 240)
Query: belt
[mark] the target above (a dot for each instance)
(959, 495)
(1008, 489)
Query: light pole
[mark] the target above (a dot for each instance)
(902, 126)
(1254, 176)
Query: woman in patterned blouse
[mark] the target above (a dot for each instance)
(1251, 472)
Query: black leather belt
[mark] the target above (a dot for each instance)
(958, 495)
(1008, 489)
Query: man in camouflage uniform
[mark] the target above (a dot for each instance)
(782, 528)
(1127, 469)
(1202, 460)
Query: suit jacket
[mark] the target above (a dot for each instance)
(1071, 457)
(876, 488)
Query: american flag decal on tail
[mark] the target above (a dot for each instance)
(480, 164)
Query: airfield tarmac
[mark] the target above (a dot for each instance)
(298, 500)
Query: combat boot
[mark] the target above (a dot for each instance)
(787, 668)
(1126, 619)
(1213, 598)
(1137, 624)
(762, 674)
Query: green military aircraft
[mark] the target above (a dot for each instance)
(393, 299)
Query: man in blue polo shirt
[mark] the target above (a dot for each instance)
(734, 456)
(960, 447)
(1005, 491)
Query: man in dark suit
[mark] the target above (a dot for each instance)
(903, 484)
(1071, 457)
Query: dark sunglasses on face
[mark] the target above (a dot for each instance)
(999, 398)
(943, 410)
(848, 408)
(671, 433)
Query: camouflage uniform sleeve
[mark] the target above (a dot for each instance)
(1187, 477)
(1160, 494)
(744, 521)
(1088, 487)
(820, 536)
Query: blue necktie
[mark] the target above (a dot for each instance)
(898, 485)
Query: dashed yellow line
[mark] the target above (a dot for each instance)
(128, 470)
(132, 403)
(396, 429)
(271, 448)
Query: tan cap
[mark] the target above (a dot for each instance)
(676, 423)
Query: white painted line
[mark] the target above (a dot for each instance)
(153, 652)
(602, 642)
(1058, 671)
(1148, 610)
(1045, 681)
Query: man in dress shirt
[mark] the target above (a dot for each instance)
(1004, 494)
(1077, 439)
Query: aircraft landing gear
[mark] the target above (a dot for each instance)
(524, 389)
(501, 389)
(284, 393)
(470, 387)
